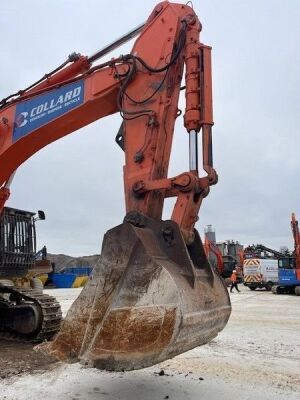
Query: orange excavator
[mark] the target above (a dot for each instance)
(210, 247)
(289, 266)
(296, 237)
(153, 294)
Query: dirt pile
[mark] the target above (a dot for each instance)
(62, 260)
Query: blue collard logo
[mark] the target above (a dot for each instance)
(32, 114)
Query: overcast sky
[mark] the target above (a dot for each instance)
(77, 180)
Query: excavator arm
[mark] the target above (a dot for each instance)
(153, 294)
(296, 236)
(144, 87)
(210, 247)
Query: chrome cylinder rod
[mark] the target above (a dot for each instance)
(193, 145)
(117, 43)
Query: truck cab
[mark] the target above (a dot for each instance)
(287, 278)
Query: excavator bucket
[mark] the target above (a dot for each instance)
(150, 298)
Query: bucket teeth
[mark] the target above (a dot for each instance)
(150, 298)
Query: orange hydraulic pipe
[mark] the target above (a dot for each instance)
(80, 66)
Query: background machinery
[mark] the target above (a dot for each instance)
(232, 253)
(25, 312)
(261, 251)
(153, 294)
(224, 256)
(214, 256)
(289, 266)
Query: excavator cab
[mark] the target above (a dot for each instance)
(17, 242)
(287, 263)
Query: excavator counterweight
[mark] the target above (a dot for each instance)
(153, 294)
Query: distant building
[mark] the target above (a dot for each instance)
(210, 234)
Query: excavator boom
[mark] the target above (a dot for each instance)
(296, 236)
(153, 293)
(210, 247)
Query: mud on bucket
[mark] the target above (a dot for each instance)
(150, 298)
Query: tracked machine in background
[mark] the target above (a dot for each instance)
(25, 312)
(232, 254)
(153, 294)
(289, 266)
(217, 261)
(223, 256)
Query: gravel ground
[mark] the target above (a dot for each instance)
(256, 356)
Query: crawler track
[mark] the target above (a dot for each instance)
(50, 317)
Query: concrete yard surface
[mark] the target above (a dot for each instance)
(257, 356)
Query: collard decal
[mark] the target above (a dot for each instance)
(33, 113)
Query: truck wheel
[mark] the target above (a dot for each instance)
(252, 287)
(297, 290)
(37, 284)
(277, 290)
(269, 286)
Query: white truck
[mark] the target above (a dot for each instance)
(260, 273)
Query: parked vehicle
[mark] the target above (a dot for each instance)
(260, 273)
